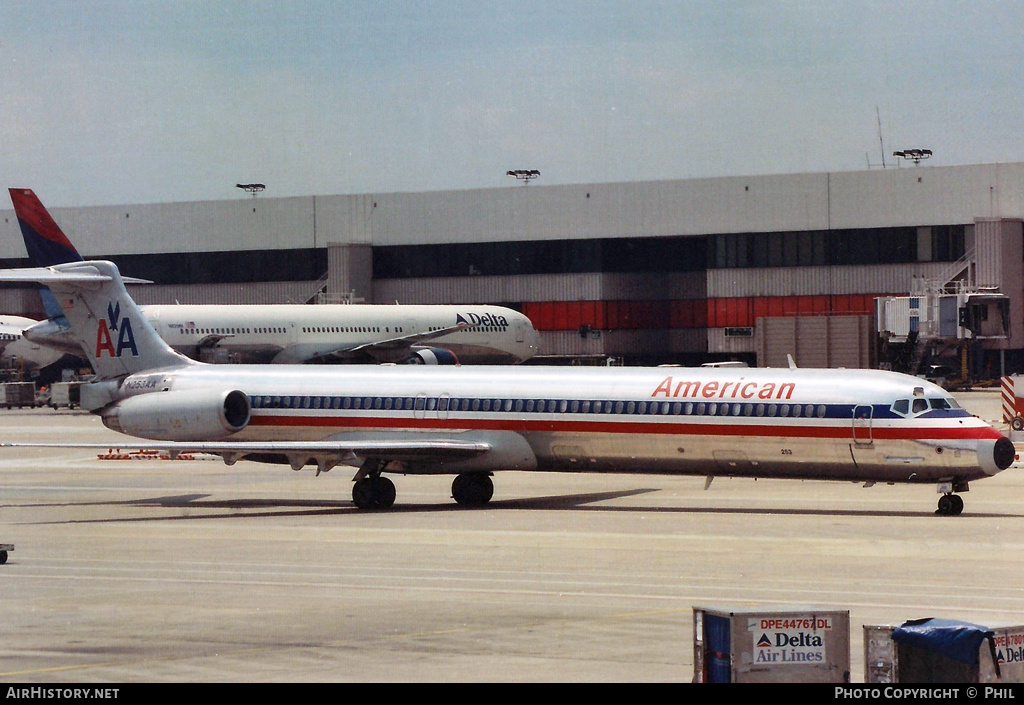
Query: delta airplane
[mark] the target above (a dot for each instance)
(16, 349)
(289, 333)
(855, 425)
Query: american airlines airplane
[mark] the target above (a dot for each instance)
(851, 425)
(288, 333)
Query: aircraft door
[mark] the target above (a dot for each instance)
(431, 407)
(862, 425)
(520, 335)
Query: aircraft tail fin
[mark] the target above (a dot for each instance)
(111, 329)
(45, 242)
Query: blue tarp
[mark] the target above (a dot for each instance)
(957, 640)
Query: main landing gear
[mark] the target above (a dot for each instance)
(374, 491)
(950, 505)
(472, 489)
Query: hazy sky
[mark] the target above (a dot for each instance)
(140, 101)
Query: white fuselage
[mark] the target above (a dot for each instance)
(861, 425)
(295, 333)
(16, 349)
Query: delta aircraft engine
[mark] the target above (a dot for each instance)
(432, 356)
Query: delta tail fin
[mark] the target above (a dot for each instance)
(45, 242)
(112, 331)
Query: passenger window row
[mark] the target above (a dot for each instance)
(573, 406)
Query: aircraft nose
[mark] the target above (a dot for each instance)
(995, 455)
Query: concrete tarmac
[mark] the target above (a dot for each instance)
(151, 570)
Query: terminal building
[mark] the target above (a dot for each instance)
(900, 267)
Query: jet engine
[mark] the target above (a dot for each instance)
(432, 356)
(191, 415)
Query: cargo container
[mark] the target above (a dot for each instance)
(771, 645)
(65, 394)
(17, 394)
(943, 651)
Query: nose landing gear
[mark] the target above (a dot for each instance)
(950, 505)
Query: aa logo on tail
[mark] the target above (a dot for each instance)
(115, 324)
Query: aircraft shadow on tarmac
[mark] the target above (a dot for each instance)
(201, 507)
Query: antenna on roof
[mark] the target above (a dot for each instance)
(881, 145)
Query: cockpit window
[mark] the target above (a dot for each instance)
(918, 405)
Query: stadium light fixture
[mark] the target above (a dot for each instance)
(524, 175)
(913, 155)
(252, 188)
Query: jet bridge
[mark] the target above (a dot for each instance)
(952, 322)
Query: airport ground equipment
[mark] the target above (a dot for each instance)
(17, 394)
(943, 651)
(787, 644)
(1012, 392)
(65, 394)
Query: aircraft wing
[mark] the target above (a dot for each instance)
(325, 454)
(384, 349)
(213, 340)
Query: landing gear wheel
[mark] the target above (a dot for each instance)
(3, 557)
(472, 489)
(950, 505)
(373, 493)
(1017, 424)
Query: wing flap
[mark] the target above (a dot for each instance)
(324, 454)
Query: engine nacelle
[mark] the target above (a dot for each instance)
(192, 415)
(432, 356)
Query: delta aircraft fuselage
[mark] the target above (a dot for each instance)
(292, 333)
(288, 333)
(16, 349)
